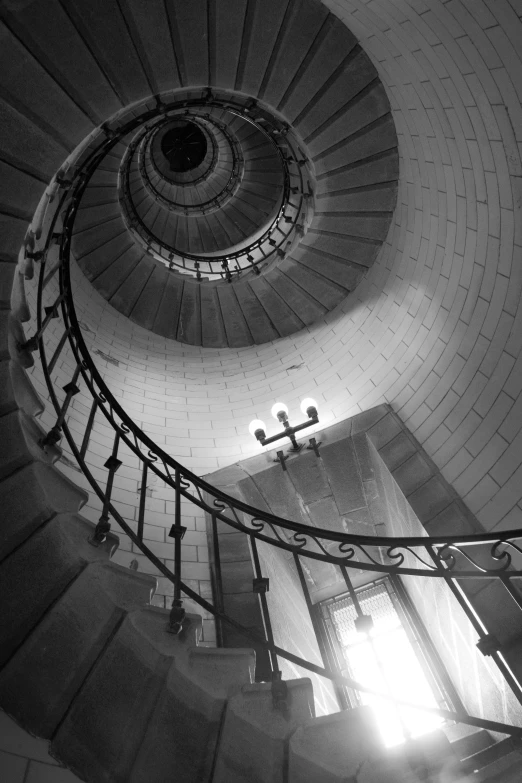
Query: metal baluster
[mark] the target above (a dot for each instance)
(488, 644)
(55, 433)
(103, 527)
(50, 312)
(56, 354)
(310, 607)
(363, 624)
(261, 585)
(88, 429)
(512, 590)
(218, 579)
(143, 497)
(51, 273)
(177, 531)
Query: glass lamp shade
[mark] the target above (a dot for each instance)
(307, 404)
(278, 407)
(255, 426)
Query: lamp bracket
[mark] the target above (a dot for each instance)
(314, 446)
(282, 459)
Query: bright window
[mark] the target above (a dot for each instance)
(385, 659)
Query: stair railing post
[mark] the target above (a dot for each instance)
(177, 531)
(55, 433)
(488, 644)
(363, 624)
(218, 579)
(58, 350)
(50, 312)
(143, 497)
(88, 428)
(261, 586)
(313, 619)
(103, 527)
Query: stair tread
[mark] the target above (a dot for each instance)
(506, 769)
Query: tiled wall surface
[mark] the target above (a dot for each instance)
(25, 759)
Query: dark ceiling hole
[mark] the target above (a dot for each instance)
(184, 146)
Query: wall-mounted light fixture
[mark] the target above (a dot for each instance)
(279, 411)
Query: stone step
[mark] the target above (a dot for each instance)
(332, 45)
(145, 308)
(89, 217)
(31, 496)
(12, 340)
(41, 680)
(467, 740)
(97, 259)
(95, 238)
(255, 733)
(488, 755)
(346, 746)
(116, 272)
(19, 307)
(158, 716)
(17, 390)
(128, 292)
(21, 436)
(506, 769)
(54, 555)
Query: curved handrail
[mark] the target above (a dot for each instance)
(440, 556)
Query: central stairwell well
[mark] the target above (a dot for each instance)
(119, 687)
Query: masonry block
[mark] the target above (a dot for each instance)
(254, 733)
(54, 556)
(50, 666)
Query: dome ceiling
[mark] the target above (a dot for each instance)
(227, 221)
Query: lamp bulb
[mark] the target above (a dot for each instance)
(278, 407)
(307, 404)
(255, 426)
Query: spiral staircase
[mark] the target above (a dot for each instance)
(249, 193)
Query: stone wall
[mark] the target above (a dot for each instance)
(26, 759)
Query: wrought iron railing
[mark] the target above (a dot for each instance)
(450, 559)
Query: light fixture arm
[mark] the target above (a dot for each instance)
(289, 431)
